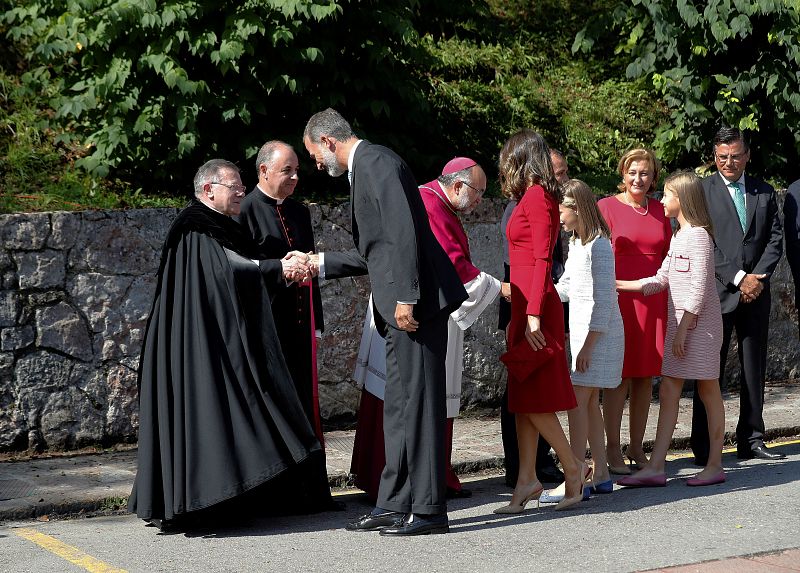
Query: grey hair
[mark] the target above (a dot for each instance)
(210, 171)
(328, 122)
(266, 155)
(450, 179)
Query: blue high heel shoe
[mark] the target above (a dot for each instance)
(603, 487)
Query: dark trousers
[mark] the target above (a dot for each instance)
(751, 322)
(414, 418)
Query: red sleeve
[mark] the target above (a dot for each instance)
(538, 210)
(451, 237)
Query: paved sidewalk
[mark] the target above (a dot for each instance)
(62, 485)
(772, 562)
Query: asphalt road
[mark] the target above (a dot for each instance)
(757, 510)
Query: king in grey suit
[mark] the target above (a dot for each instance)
(748, 245)
(414, 288)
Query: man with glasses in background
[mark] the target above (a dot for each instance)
(748, 244)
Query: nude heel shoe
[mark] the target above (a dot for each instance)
(634, 464)
(568, 502)
(513, 508)
(623, 470)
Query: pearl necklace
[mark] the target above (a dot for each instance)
(634, 205)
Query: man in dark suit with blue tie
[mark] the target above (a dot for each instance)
(414, 289)
(791, 226)
(748, 244)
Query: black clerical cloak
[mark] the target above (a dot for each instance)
(218, 412)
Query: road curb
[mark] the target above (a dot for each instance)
(108, 505)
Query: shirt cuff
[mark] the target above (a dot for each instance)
(738, 278)
(407, 302)
(322, 266)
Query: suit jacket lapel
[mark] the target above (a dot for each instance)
(750, 200)
(352, 175)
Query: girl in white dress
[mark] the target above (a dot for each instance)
(597, 339)
(694, 329)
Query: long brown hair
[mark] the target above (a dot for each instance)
(639, 154)
(687, 186)
(591, 224)
(525, 161)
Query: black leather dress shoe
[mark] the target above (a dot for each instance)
(549, 474)
(761, 452)
(335, 506)
(376, 520)
(166, 526)
(415, 524)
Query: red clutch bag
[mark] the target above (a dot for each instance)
(522, 360)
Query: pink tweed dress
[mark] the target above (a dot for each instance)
(688, 273)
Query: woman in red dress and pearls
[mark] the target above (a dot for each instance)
(526, 175)
(640, 237)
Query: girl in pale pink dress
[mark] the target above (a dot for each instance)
(694, 329)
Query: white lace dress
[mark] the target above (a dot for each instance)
(588, 283)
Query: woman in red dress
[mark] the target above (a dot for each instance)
(537, 317)
(640, 236)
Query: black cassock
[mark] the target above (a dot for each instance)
(219, 416)
(276, 230)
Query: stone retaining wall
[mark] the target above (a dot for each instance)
(76, 288)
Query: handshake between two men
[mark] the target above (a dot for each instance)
(298, 266)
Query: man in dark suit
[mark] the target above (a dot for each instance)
(748, 244)
(791, 226)
(414, 288)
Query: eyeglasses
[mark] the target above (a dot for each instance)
(735, 158)
(479, 191)
(235, 187)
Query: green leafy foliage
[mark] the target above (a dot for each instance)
(37, 169)
(521, 75)
(714, 62)
(153, 87)
(142, 92)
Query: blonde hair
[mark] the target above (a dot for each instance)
(591, 224)
(639, 154)
(525, 161)
(686, 185)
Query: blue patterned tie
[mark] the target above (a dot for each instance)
(738, 201)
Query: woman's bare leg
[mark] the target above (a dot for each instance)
(641, 394)
(613, 406)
